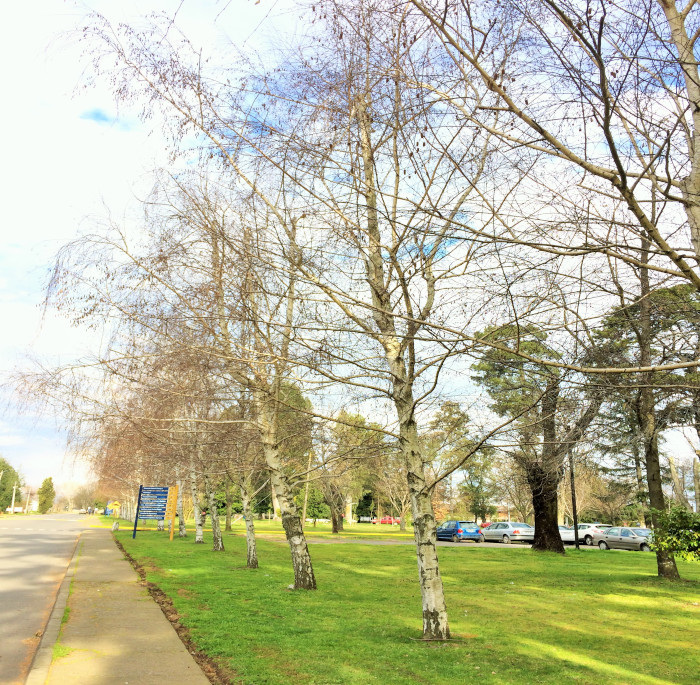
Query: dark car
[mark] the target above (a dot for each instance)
(456, 531)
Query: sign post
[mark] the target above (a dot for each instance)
(152, 504)
(159, 503)
(138, 505)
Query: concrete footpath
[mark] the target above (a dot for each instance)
(113, 633)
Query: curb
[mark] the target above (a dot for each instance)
(43, 656)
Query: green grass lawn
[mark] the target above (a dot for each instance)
(516, 616)
(324, 530)
(266, 528)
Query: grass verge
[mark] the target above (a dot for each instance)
(265, 527)
(59, 650)
(516, 616)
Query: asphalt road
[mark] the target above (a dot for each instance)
(34, 554)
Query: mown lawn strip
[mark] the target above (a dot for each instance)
(517, 616)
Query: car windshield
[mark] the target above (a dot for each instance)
(520, 525)
(468, 525)
(644, 532)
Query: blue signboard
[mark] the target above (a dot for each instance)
(151, 504)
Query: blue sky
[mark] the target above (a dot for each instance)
(69, 161)
(99, 116)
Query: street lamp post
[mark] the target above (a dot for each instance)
(573, 497)
(12, 508)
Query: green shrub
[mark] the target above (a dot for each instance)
(678, 532)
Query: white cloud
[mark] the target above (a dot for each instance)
(68, 155)
(11, 441)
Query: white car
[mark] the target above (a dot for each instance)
(507, 532)
(567, 534)
(590, 533)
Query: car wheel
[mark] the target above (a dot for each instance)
(480, 538)
(645, 548)
(455, 538)
(506, 540)
(603, 545)
(588, 540)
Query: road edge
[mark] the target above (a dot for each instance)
(41, 663)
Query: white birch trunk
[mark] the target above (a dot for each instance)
(348, 510)
(227, 525)
(202, 521)
(198, 522)
(435, 624)
(182, 527)
(304, 578)
(251, 547)
(275, 505)
(685, 45)
(217, 538)
(400, 357)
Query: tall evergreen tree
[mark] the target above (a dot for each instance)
(47, 495)
(532, 393)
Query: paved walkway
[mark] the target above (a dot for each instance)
(115, 634)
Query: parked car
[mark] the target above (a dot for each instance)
(567, 535)
(456, 531)
(507, 532)
(590, 533)
(617, 537)
(387, 519)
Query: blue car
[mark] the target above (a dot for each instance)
(456, 531)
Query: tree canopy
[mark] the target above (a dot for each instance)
(10, 478)
(46, 495)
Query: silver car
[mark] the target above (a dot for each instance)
(507, 532)
(626, 538)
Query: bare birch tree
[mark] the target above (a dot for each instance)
(618, 113)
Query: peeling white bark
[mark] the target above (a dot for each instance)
(435, 623)
(251, 547)
(198, 522)
(217, 538)
(182, 528)
(291, 522)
